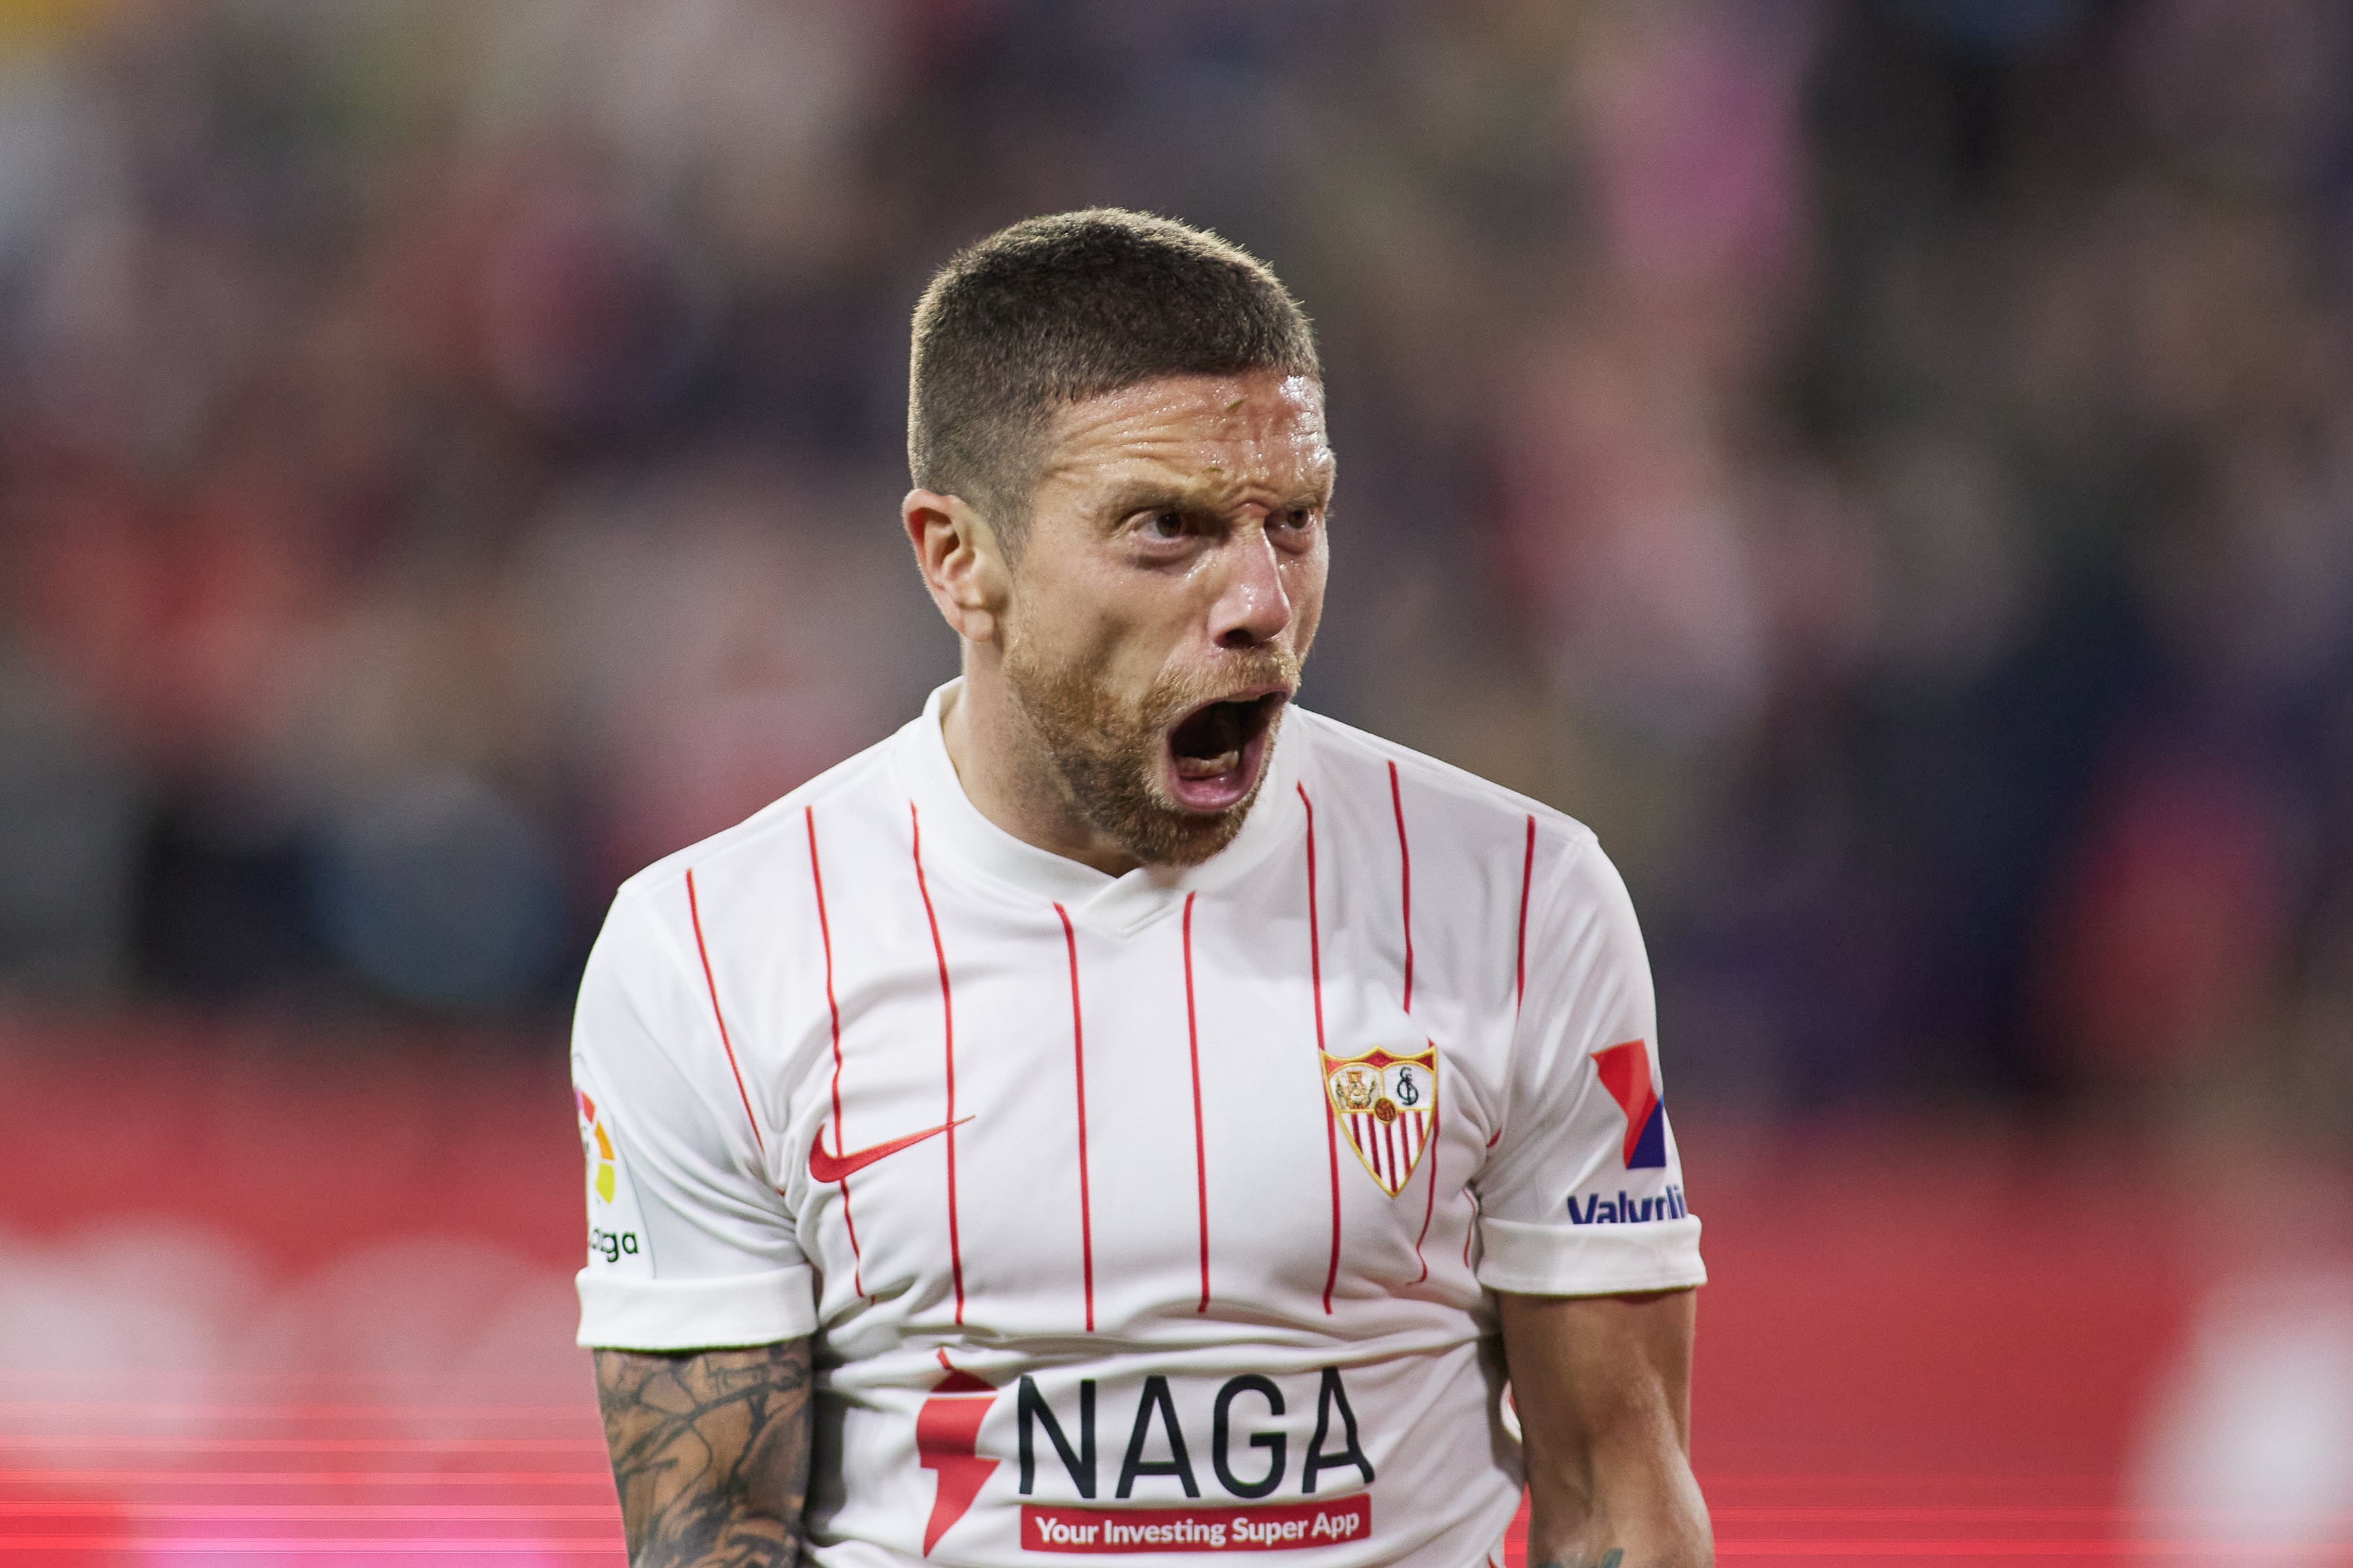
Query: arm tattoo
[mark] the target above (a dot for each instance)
(710, 1452)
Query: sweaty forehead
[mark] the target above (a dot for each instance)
(1257, 430)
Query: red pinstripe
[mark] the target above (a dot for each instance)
(1316, 979)
(947, 1030)
(695, 913)
(1079, 1056)
(1527, 880)
(1200, 1140)
(1404, 882)
(1519, 982)
(1405, 899)
(1429, 1198)
(833, 1013)
(1519, 971)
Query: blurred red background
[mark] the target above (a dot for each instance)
(265, 1307)
(1887, 465)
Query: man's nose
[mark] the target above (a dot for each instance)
(1252, 606)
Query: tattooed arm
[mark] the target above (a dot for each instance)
(1603, 1388)
(710, 1452)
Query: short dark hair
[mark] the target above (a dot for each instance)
(1057, 310)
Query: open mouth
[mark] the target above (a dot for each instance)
(1215, 750)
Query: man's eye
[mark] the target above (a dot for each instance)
(1298, 519)
(1165, 525)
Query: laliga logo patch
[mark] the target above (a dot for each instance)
(1625, 1072)
(1387, 1105)
(600, 1157)
(617, 1240)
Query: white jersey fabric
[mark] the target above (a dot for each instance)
(1156, 1212)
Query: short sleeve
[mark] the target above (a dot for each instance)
(690, 1246)
(1583, 1193)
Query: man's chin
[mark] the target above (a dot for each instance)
(1170, 835)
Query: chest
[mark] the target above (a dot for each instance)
(1027, 1124)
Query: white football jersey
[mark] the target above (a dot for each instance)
(1156, 1212)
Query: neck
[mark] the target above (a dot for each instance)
(1008, 781)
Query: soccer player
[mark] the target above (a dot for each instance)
(1120, 1112)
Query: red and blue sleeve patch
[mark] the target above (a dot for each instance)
(1625, 1072)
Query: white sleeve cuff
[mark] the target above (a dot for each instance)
(1589, 1260)
(696, 1314)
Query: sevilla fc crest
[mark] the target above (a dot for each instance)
(1387, 1105)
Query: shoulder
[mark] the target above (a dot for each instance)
(706, 937)
(773, 841)
(1451, 800)
(1537, 867)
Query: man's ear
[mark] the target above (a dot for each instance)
(961, 559)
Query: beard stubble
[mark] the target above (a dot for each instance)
(1106, 752)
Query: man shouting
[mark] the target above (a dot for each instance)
(1120, 1112)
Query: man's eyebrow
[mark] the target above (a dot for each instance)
(1177, 495)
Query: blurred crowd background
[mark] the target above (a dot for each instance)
(1887, 466)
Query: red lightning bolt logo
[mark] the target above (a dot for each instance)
(947, 1434)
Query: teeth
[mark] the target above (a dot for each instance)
(1208, 767)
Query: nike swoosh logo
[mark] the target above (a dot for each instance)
(828, 1167)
